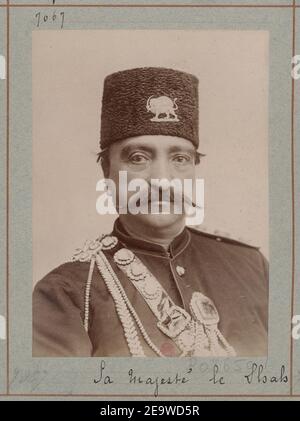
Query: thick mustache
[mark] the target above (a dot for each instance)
(185, 199)
(147, 197)
(171, 198)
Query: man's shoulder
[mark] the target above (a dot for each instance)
(223, 250)
(216, 238)
(226, 248)
(70, 268)
(74, 273)
(71, 273)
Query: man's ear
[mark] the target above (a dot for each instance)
(105, 172)
(199, 156)
(105, 167)
(103, 159)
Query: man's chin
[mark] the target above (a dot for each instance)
(158, 220)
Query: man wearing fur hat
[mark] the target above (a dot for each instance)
(153, 287)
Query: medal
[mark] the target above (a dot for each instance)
(108, 242)
(203, 309)
(123, 257)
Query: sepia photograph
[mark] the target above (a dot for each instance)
(150, 205)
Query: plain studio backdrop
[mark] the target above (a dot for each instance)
(68, 72)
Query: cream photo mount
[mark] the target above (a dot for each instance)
(108, 377)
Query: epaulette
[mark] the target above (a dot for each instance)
(92, 247)
(221, 238)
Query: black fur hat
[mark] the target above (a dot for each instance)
(149, 101)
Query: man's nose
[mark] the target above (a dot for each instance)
(160, 169)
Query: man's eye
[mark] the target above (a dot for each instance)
(182, 159)
(138, 158)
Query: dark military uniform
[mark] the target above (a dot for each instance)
(105, 309)
(233, 275)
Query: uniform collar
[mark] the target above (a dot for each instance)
(179, 243)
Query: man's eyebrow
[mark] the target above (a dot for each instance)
(176, 148)
(147, 148)
(129, 148)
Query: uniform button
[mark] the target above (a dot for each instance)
(180, 270)
(219, 239)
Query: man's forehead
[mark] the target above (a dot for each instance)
(168, 143)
